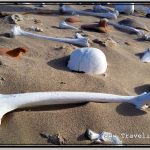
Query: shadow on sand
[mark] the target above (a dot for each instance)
(127, 109)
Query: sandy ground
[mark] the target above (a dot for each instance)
(43, 68)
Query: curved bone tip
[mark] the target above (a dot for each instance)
(64, 25)
(91, 135)
(143, 107)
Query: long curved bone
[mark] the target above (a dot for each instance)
(11, 102)
(64, 25)
(70, 10)
(127, 28)
(79, 40)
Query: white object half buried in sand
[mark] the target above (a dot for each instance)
(103, 136)
(9, 102)
(64, 25)
(146, 56)
(88, 60)
(78, 40)
(125, 8)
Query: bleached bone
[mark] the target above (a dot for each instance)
(127, 29)
(146, 57)
(64, 25)
(145, 37)
(103, 136)
(102, 9)
(78, 40)
(70, 10)
(125, 8)
(11, 102)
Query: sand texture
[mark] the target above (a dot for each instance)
(43, 68)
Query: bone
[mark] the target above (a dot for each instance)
(103, 136)
(123, 8)
(145, 37)
(11, 102)
(128, 29)
(146, 56)
(64, 25)
(70, 10)
(102, 9)
(78, 40)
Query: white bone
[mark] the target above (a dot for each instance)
(103, 136)
(79, 40)
(145, 37)
(127, 29)
(70, 10)
(127, 9)
(142, 8)
(64, 25)
(89, 60)
(11, 102)
(146, 56)
(102, 9)
(92, 135)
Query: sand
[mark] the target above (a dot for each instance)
(43, 68)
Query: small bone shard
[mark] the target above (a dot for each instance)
(17, 53)
(145, 37)
(78, 40)
(36, 29)
(102, 26)
(103, 136)
(146, 56)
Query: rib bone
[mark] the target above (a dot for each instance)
(79, 40)
(11, 102)
(64, 25)
(70, 10)
(127, 28)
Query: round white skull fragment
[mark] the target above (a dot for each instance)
(88, 60)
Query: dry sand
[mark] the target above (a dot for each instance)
(43, 68)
